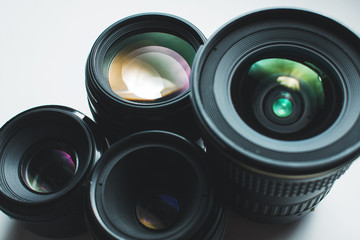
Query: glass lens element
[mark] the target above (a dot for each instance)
(149, 73)
(49, 170)
(291, 75)
(282, 106)
(150, 67)
(158, 212)
(286, 89)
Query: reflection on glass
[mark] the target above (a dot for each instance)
(148, 73)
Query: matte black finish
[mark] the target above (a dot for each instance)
(119, 117)
(272, 178)
(152, 162)
(59, 213)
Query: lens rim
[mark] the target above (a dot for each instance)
(208, 220)
(298, 29)
(134, 25)
(107, 109)
(53, 214)
(34, 126)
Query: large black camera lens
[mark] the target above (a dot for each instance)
(276, 94)
(46, 156)
(154, 185)
(138, 75)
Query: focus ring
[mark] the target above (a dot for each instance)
(276, 187)
(248, 206)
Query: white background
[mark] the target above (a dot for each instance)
(43, 49)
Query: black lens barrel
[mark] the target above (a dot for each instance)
(272, 94)
(119, 116)
(154, 162)
(268, 198)
(277, 173)
(52, 214)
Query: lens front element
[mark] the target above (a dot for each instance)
(282, 97)
(49, 169)
(157, 212)
(282, 107)
(150, 67)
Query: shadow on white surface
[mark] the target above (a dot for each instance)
(18, 232)
(240, 228)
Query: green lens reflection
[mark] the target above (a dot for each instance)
(282, 107)
(286, 98)
(292, 75)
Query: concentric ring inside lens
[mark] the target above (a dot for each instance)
(149, 73)
(157, 212)
(291, 75)
(282, 106)
(49, 170)
(283, 78)
(292, 97)
(151, 67)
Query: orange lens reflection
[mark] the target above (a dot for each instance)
(148, 73)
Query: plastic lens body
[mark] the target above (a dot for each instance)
(278, 111)
(138, 75)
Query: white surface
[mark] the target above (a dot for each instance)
(43, 49)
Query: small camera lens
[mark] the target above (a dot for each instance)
(46, 156)
(154, 185)
(138, 75)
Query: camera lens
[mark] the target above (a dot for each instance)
(154, 185)
(46, 156)
(275, 93)
(138, 75)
